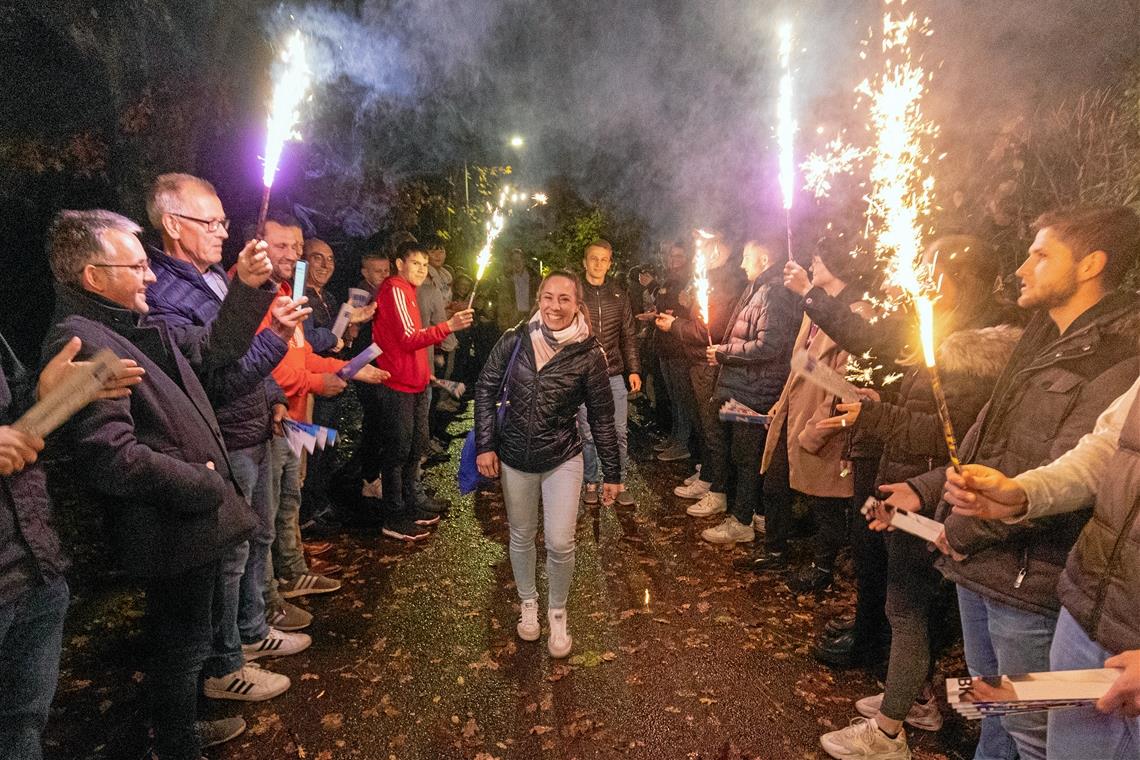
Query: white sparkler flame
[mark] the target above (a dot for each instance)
(786, 125)
(701, 274)
(288, 92)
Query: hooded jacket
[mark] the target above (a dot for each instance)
(156, 460)
(539, 431)
(1049, 395)
(397, 330)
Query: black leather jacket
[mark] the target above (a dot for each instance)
(539, 431)
(611, 319)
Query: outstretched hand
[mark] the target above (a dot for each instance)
(985, 493)
(63, 365)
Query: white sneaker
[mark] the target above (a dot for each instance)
(712, 503)
(758, 523)
(250, 684)
(923, 715)
(372, 490)
(689, 480)
(730, 531)
(277, 644)
(863, 740)
(528, 628)
(559, 642)
(695, 490)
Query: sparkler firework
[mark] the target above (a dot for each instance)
(899, 202)
(786, 130)
(701, 278)
(288, 92)
(494, 227)
(837, 157)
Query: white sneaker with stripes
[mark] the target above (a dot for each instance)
(250, 684)
(277, 644)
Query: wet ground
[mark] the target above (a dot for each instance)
(675, 654)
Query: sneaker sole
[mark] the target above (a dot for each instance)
(528, 635)
(249, 696)
(425, 521)
(559, 653)
(704, 512)
(306, 592)
(251, 656)
(401, 536)
(726, 541)
(291, 628)
(684, 493)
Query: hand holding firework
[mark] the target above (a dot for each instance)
(461, 320)
(253, 266)
(796, 278)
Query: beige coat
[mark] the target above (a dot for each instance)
(814, 456)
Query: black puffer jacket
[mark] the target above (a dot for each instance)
(611, 319)
(756, 345)
(539, 431)
(1050, 394)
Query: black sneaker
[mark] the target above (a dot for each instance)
(839, 624)
(765, 562)
(837, 650)
(211, 733)
(810, 579)
(425, 503)
(404, 529)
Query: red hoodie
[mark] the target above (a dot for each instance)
(397, 330)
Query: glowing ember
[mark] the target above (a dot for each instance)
(539, 198)
(837, 157)
(786, 125)
(288, 92)
(925, 308)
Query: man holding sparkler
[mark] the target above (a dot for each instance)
(1078, 353)
(397, 330)
(611, 320)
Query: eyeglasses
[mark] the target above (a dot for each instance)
(212, 225)
(139, 269)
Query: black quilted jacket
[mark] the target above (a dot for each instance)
(611, 319)
(539, 431)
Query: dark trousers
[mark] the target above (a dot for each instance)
(662, 405)
(320, 464)
(912, 593)
(714, 449)
(31, 632)
(830, 514)
(869, 552)
(178, 629)
(368, 450)
(745, 448)
(406, 421)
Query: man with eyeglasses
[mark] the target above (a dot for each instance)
(156, 461)
(188, 291)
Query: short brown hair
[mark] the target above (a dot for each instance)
(1115, 230)
(599, 243)
(76, 237)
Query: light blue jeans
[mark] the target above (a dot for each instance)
(1085, 732)
(559, 490)
(285, 503)
(1001, 639)
(593, 471)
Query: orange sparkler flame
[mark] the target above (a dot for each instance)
(701, 276)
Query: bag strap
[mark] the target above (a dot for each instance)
(507, 373)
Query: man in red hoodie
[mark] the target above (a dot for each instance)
(397, 330)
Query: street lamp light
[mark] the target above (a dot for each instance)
(516, 141)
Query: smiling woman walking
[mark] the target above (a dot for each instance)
(541, 371)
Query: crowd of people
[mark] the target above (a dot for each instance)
(220, 519)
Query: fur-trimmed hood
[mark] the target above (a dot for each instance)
(981, 353)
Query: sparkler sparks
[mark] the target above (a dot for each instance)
(701, 278)
(483, 259)
(837, 157)
(288, 92)
(786, 124)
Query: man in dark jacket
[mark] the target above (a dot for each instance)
(611, 320)
(157, 461)
(189, 287)
(1076, 355)
(754, 359)
(1099, 625)
(33, 591)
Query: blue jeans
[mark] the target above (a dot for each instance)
(1004, 640)
(559, 490)
(250, 468)
(593, 469)
(31, 632)
(227, 656)
(1085, 732)
(285, 496)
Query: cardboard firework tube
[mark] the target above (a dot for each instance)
(359, 362)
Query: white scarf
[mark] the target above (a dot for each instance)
(547, 342)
